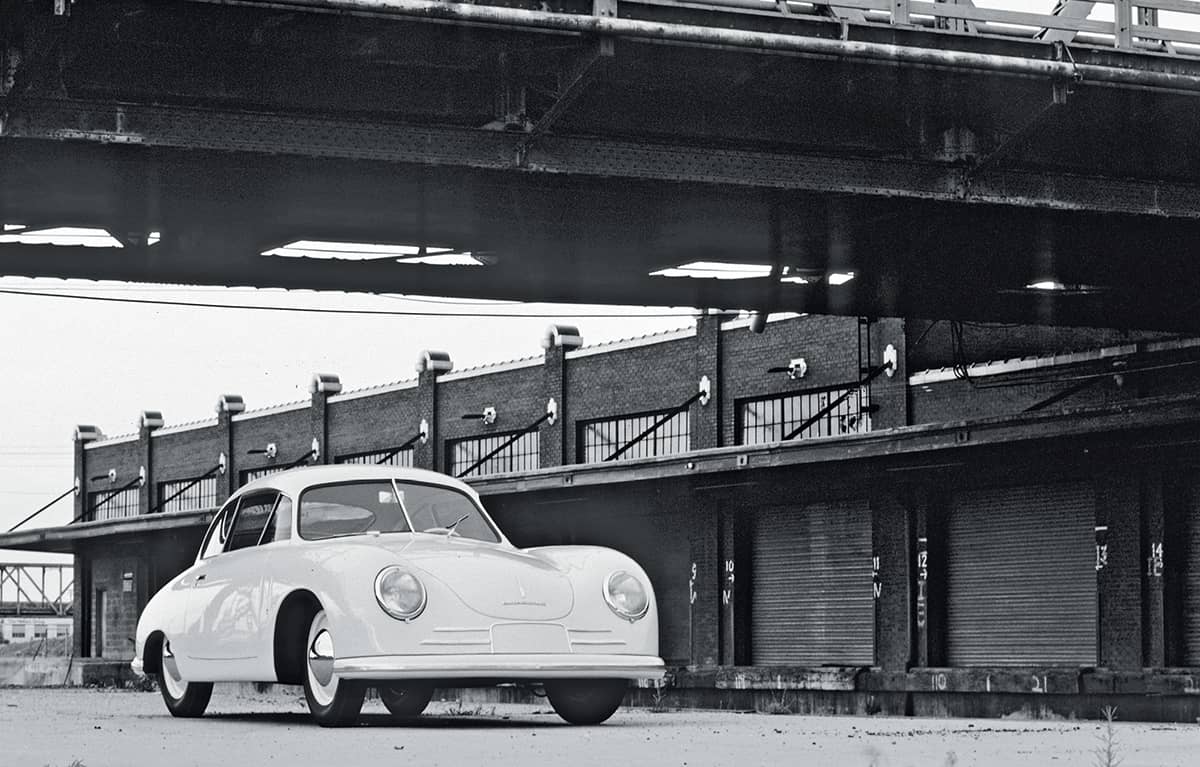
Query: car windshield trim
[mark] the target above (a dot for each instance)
(396, 484)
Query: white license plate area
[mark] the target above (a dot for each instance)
(529, 638)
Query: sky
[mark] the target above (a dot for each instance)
(69, 362)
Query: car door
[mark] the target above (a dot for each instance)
(225, 607)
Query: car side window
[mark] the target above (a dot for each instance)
(252, 516)
(215, 542)
(279, 527)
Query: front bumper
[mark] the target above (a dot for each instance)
(501, 667)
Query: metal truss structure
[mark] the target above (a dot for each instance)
(36, 589)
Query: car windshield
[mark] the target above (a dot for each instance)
(352, 508)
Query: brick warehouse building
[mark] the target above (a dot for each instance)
(843, 514)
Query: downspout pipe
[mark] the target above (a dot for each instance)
(797, 45)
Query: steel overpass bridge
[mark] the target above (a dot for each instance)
(36, 589)
(877, 157)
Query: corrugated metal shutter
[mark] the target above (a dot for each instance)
(812, 596)
(1021, 577)
(1191, 585)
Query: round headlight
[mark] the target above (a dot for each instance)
(626, 595)
(399, 593)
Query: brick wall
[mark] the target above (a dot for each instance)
(291, 431)
(185, 455)
(121, 608)
(367, 424)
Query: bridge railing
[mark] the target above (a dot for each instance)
(1121, 24)
(36, 589)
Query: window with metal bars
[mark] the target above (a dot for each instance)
(771, 419)
(393, 457)
(599, 439)
(123, 504)
(521, 455)
(249, 475)
(201, 495)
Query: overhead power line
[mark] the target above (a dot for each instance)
(325, 310)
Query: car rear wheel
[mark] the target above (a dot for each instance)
(586, 701)
(333, 702)
(406, 700)
(183, 699)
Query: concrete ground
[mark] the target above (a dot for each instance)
(102, 728)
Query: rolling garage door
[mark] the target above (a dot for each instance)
(1021, 577)
(812, 599)
(1191, 584)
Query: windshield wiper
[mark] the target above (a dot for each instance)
(450, 529)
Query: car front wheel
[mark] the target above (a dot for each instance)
(333, 702)
(406, 700)
(183, 699)
(586, 701)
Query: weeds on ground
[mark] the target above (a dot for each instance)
(658, 699)
(780, 702)
(1107, 753)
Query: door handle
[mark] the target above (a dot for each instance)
(201, 577)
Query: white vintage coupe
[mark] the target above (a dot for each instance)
(342, 578)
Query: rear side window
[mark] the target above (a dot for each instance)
(280, 526)
(252, 516)
(215, 542)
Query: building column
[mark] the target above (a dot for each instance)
(82, 611)
(734, 578)
(891, 567)
(704, 592)
(555, 444)
(227, 406)
(147, 423)
(930, 545)
(324, 386)
(1118, 567)
(430, 364)
(706, 419)
(1153, 528)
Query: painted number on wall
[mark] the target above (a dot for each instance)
(875, 582)
(692, 586)
(727, 592)
(922, 579)
(1154, 563)
(1041, 684)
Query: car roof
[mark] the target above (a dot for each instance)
(293, 481)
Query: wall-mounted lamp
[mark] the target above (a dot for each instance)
(316, 450)
(796, 368)
(141, 476)
(488, 416)
(325, 383)
(424, 431)
(222, 463)
(270, 451)
(551, 411)
(705, 390)
(78, 487)
(110, 476)
(890, 359)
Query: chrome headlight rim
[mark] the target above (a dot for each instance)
(608, 599)
(398, 615)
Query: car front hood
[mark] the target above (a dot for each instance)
(495, 581)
